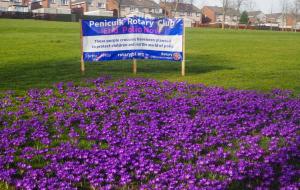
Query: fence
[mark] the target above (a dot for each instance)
(246, 27)
(46, 16)
(77, 15)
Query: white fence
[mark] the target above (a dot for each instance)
(52, 11)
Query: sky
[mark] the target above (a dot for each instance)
(263, 5)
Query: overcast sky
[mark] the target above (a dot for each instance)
(263, 5)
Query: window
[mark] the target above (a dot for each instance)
(189, 14)
(101, 5)
(132, 8)
(199, 14)
(52, 1)
(64, 2)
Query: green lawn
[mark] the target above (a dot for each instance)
(40, 53)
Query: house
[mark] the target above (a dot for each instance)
(257, 18)
(189, 12)
(13, 6)
(272, 19)
(143, 14)
(91, 7)
(284, 21)
(128, 7)
(113, 5)
(214, 15)
(51, 6)
(18, 8)
(4, 4)
(297, 23)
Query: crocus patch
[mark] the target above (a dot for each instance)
(145, 134)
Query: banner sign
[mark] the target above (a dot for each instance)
(132, 38)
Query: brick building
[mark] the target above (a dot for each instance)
(214, 15)
(256, 17)
(13, 5)
(50, 6)
(125, 8)
(189, 12)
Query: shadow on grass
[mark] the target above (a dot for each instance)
(26, 75)
(204, 64)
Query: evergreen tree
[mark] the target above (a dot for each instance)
(244, 18)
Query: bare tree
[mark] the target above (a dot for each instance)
(163, 3)
(225, 7)
(295, 12)
(70, 6)
(176, 7)
(284, 13)
(251, 5)
(271, 20)
(237, 5)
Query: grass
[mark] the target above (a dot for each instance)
(36, 54)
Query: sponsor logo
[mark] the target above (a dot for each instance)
(176, 56)
(102, 55)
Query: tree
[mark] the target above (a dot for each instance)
(225, 7)
(271, 28)
(244, 18)
(238, 4)
(295, 13)
(119, 7)
(284, 13)
(176, 7)
(251, 5)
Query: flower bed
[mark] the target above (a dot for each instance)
(145, 134)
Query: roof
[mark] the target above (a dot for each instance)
(81, 1)
(254, 13)
(181, 7)
(154, 15)
(157, 15)
(139, 3)
(219, 10)
(89, 2)
(274, 15)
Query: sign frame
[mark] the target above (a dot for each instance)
(134, 61)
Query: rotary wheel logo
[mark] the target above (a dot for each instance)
(176, 56)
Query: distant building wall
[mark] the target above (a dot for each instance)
(113, 5)
(82, 6)
(209, 13)
(192, 16)
(126, 10)
(62, 4)
(4, 4)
